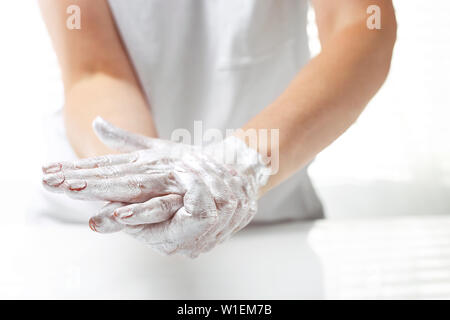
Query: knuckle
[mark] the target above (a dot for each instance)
(171, 176)
(135, 156)
(165, 205)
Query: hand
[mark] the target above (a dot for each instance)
(184, 199)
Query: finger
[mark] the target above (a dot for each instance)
(226, 228)
(179, 232)
(198, 215)
(89, 163)
(133, 188)
(218, 179)
(56, 179)
(152, 211)
(243, 214)
(241, 220)
(53, 186)
(237, 222)
(247, 218)
(122, 140)
(153, 236)
(198, 200)
(189, 223)
(167, 249)
(104, 221)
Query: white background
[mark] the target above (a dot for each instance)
(395, 160)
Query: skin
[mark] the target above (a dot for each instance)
(97, 75)
(331, 91)
(325, 98)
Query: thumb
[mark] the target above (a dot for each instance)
(104, 221)
(119, 139)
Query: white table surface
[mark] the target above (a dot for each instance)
(73, 262)
(403, 257)
(385, 258)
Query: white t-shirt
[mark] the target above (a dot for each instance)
(220, 62)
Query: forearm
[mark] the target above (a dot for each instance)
(326, 97)
(115, 99)
(98, 77)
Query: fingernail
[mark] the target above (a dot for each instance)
(77, 185)
(123, 213)
(52, 168)
(92, 225)
(104, 225)
(54, 180)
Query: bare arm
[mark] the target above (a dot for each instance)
(330, 92)
(97, 74)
